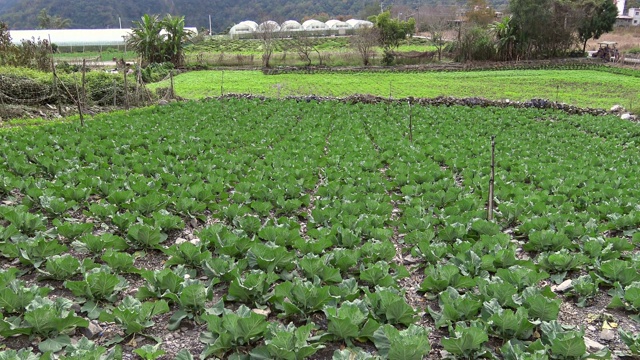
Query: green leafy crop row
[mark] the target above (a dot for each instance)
(281, 229)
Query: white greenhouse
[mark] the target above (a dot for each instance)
(314, 25)
(337, 24)
(244, 27)
(269, 26)
(359, 24)
(290, 25)
(78, 38)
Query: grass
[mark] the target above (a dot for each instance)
(585, 88)
(93, 55)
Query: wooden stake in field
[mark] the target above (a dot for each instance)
(171, 95)
(222, 83)
(491, 178)
(115, 93)
(84, 82)
(126, 89)
(55, 80)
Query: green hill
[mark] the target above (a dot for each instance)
(23, 14)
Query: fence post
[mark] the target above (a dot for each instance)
(171, 94)
(126, 89)
(84, 83)
(115, 93)
(55, 80)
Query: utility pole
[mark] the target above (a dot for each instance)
(210, 29)
(120, 22)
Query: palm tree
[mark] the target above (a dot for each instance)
(176, 36)
(146, 39)
(505, 34)
(46, 21)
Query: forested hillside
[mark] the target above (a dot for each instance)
(22, 14)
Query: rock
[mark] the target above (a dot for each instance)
(607, 334)
(180, 241)
(626, 116)
(264, 312)
(593, 345)
(564, 286)
(617, 108)
(92, 331)
(163, 102)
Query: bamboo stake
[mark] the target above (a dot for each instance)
(55, 80)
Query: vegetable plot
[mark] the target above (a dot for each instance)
(291, 230)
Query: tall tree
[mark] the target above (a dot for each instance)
(46, 21)
(364, 41)
(479, 12)
(598, 18)
(392, 30)
(506, 36)
(146, 39)
(176, 37)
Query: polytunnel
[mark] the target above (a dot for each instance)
(337, 24)
(244, 27)
(290, 25)
(269, 26)
(314, 25)
(359, 24)
(78, 37)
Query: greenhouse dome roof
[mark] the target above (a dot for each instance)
(244, 27)
(313, 25)
(290, 25)
(337, 24)
(357, 24)
(269, 26)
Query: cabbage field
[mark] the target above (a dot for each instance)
(295, 229)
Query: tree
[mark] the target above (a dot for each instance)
(268, 33)
(479, 12)
(146, 39)
(545, 28)
(598, 18)
(364, 40)
(391, 31)
(436, 21)
(45, 21)
(506, 35)
(176, 37)
(305, 45)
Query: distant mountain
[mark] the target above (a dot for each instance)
(5, 5)
(91, 14)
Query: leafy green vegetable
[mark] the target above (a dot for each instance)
(346, 321)
(62, 267)
(98, 284)
(135, 316)
(149, 352)
(288, 342)
(466, 341)
(231, 330)
(146, 237)
(390, 306)
(409, 344)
